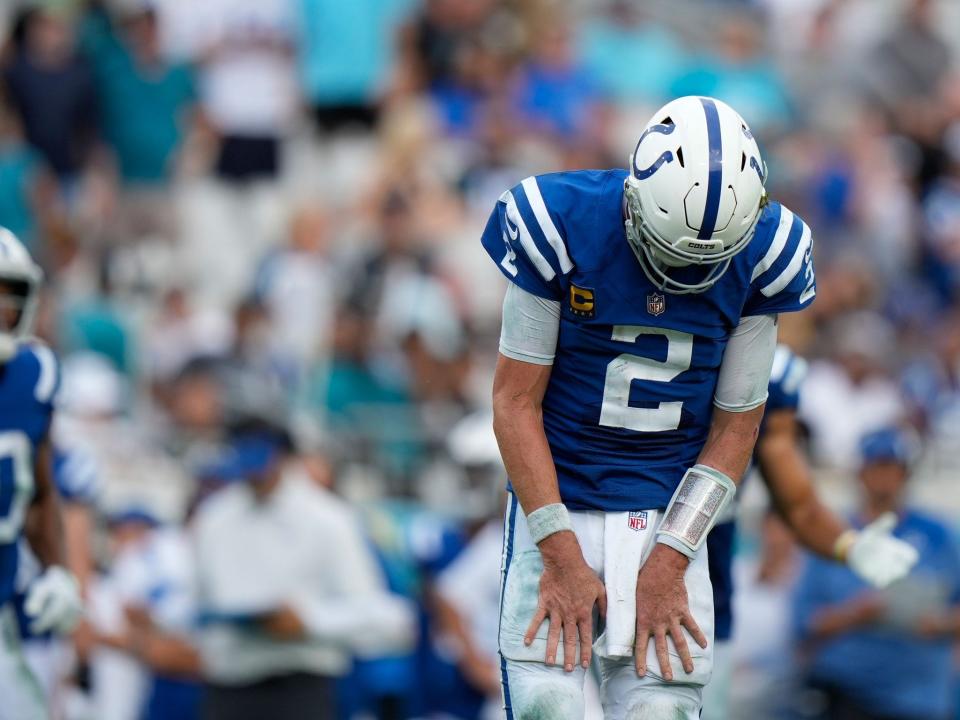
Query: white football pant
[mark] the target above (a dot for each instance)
(534, 691)
(21, 697)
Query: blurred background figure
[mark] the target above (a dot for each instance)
(884, 654)
(287, 588)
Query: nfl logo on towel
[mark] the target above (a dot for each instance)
(638, 520)
(656, 303)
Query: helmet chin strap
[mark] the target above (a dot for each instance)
(653, 265)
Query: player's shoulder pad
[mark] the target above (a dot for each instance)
(554, 216)
(778, 250)
(788, 371)
(42, 367)
(533, 211)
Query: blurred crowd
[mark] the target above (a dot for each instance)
(260, 221)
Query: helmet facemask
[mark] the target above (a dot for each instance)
(657, 255)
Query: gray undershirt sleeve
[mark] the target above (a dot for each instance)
(746, 365)
(530, 327)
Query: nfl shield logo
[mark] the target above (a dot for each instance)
(656, 303)
(637, 520)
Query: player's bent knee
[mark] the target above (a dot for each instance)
(646, 710)
(535, 691)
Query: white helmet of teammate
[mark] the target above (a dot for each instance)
(694, 192)
(20, 279)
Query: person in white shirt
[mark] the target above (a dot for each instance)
(288, 589)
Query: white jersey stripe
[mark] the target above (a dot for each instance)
(526, 240)
(796, 262)
(532, 189)
(47, 381)
(777, 245)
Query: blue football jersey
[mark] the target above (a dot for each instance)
(630, 396)
(28, 383)
(786, 378)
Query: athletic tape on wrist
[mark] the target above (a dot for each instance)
(699, 500)
(547, 520)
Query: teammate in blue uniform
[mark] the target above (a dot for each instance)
(48, 654)
(639, 327)
(873, 553)
(28, 497)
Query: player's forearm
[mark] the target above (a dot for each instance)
(787, 477)
(518, 425)
(730, 442)
(43, 528)
(815, 527)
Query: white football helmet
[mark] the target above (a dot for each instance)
(20, 278)
(694, 192)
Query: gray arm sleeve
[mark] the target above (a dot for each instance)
(747, 360)
(530, 327)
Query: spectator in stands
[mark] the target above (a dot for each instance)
(52, 89)
(28, 190)
(622, 36)
(851, 393)
(884, 655)
(555, 92)
(740, 73)
(248, 91)
(287, 589)
(144, 100)
(345, 52)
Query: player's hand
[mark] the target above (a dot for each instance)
(662, 611)
(53, 602)
(284, 624)
(568, 591)
(879, 558)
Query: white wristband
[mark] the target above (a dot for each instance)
(547, 520)
(698, 502)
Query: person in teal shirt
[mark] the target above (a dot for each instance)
(145, 100)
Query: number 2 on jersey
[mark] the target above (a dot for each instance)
(616, 410)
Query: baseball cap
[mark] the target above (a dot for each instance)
(890, 444)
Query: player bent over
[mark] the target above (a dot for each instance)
(639, 328)
(28, 496)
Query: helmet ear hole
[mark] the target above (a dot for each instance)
(743, 161)
(680, 156)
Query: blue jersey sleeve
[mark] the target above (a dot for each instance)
(47, 382)
(783, 278)
(522, 238)
(786, 378)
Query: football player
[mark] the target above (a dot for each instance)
(28, 497)
(639, 327)
(873, 553)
